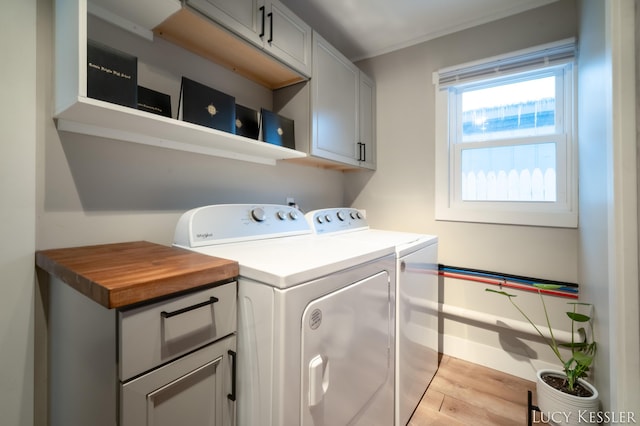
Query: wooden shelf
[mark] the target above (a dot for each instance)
(199, 35)
(98, 118)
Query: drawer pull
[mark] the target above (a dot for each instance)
(211, 301)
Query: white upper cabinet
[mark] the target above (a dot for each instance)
(342, 107)
(367, 117)
(334, 97)
(267, 24)
(307, 80)
(244, 17)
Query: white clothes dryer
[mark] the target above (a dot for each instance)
(417, 341)
(315, 317)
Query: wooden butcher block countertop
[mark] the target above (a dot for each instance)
(122, 274)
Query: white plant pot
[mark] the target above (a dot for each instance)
(559, 408)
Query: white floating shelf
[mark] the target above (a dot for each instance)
(98, 118)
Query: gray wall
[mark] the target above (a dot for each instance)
(608, 263)
(400, 195)
(93, 190)
(96, 190)
(608, 241)
(17, 210)
(72, 190)
(594, 234)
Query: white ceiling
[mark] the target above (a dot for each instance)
(367, 28)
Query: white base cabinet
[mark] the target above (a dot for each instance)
(192, 390)
(165, 363)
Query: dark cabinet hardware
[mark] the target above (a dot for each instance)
(232, 395)
(362, 151)
(166, 314)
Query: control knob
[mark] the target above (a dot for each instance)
(258, 214)
(341, 216)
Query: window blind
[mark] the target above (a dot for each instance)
(549, 54)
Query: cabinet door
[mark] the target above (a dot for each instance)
(244, 17)
(287, 37)
(334, 92)
(367, 116)
(195, 390)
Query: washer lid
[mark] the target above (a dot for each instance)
(288, 261)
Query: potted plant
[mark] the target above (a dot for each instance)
(564, 398)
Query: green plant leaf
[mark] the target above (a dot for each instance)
(578, 317)
(582, 359)
(500, 292)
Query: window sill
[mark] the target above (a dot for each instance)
(558, 219)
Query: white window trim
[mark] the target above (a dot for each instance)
(450, 207)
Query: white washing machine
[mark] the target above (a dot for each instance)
(315, 317)
(417, 343)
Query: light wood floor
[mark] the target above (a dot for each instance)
(463, 393)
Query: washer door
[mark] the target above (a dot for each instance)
(346, 366)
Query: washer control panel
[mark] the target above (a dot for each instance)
(223, 223)
(342, 219)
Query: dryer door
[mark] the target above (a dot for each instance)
(347, 376)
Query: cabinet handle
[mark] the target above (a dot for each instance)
(262, 30)
(232, 395)
(211, 301)
(362, 151)
(270, 15)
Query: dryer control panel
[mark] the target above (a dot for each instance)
(341, 219)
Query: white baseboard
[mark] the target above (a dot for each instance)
(492, 357)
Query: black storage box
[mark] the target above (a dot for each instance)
(247, 123)
(200, 104)
(277, 130)
(155, 102)
(112, 75)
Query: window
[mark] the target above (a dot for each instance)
(505, 149)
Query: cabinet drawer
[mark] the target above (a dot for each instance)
(154, 334)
